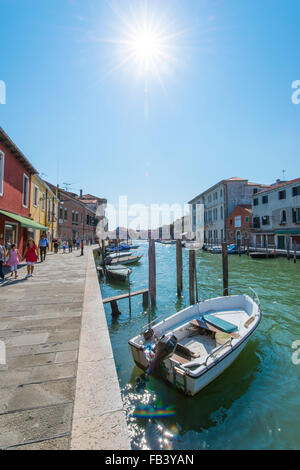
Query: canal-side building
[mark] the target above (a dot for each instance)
(276, 215)
(44, 210)
(16, 171)
(218, 202)
(75, 219)
(238, 225)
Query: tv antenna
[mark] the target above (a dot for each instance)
(283, 174)
(67, 186)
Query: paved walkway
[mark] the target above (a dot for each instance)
(40, 323)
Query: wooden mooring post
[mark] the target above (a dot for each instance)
(288, 249)
(225, 268)
(152, 272)
(295, 252)
(179, 267)
(192, 276)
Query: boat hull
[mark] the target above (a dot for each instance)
(185, 383)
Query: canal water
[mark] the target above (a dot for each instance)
(255, 403)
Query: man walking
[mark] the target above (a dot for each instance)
(43, 245)
(2, 258)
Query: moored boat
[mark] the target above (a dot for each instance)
(194, 346)
(263, 255)
(118, 272)
(132, 259)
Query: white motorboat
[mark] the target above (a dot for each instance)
(194, 346)
(121, 254)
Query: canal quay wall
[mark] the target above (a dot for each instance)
(59, 387)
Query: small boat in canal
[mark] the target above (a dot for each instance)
(131, 259)
(263, 255)
(122, 254)
(118, 272)
(194, 346)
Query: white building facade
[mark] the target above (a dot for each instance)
(218, 202)
(276, 216)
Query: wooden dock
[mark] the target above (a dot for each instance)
(113, 301)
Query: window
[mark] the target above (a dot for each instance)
(265, 199)
(215, 196)
(238, 221)
(36, 196)
(49, 210)
(283, 218)
(255, 202)
(60, 216)
(256, 222)
(43, 201)
(246, 235)
(209, 198)
(296, 216)
(25, 190)
(296, 191)
(66, 215)
(1, 173)
(265, 220)
(255, 191)
(73, 216)
(222, 212)
(76, 217)
(221, 193)
(282, 195)
(247, 220)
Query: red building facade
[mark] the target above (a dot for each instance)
(15, 182)
(75, 218)
(238, 224)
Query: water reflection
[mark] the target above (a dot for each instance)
(241, 409)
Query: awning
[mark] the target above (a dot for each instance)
(24, 221)
(288, 232)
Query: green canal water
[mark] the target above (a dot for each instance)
(255, 403)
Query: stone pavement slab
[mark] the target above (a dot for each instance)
(40, 324)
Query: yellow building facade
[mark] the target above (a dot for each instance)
(44, 210)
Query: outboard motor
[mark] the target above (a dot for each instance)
(164, 348)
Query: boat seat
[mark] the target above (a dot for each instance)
(219, 323)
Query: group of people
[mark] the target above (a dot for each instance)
(67, 244)
(13, 258)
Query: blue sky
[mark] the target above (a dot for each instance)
(223, 109)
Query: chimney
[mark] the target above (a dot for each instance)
(81, 194)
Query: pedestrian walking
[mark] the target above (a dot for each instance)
(74, 243)
(56, 246)
(64, 246)
(43, 245)
(78, 242)
(13, 260)
(70, 245)
(31, 256)
(2, 258)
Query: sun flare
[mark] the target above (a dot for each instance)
(145, 42)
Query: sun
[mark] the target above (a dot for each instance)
(146, 46)
(145, 42)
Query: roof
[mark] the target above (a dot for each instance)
(71, 196)
(90, 199)
(277, 186)
(43, 182)
(16, 151)
(234, 179)
(246, 207)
